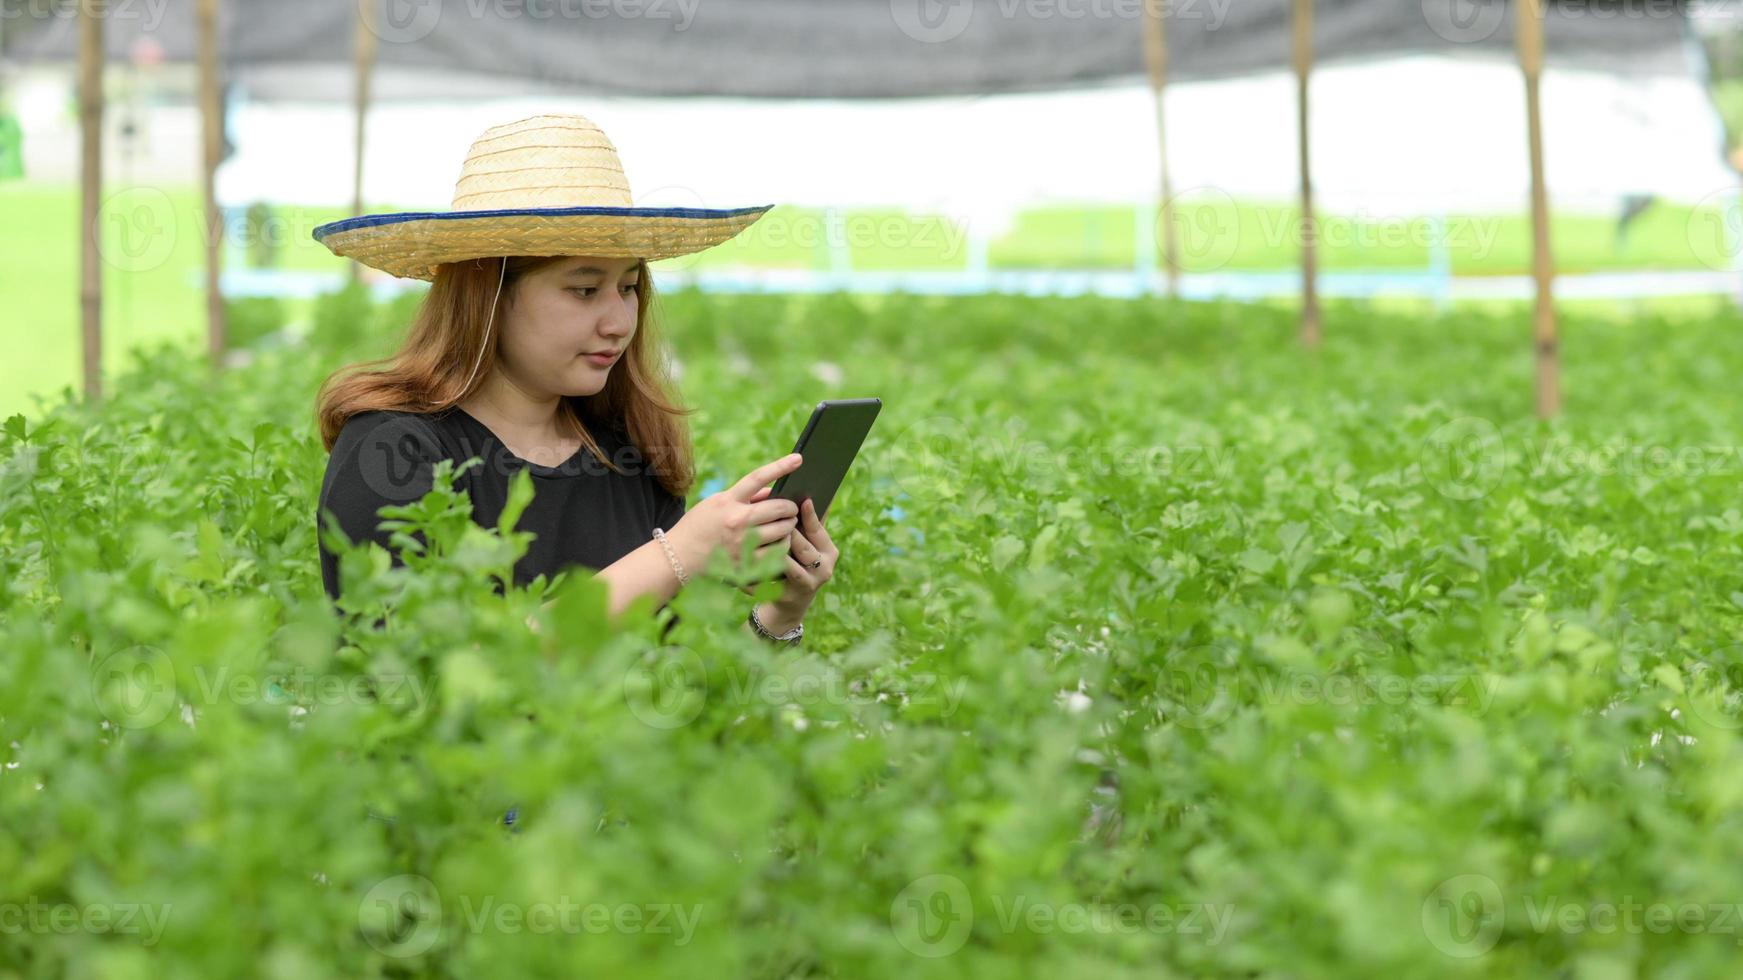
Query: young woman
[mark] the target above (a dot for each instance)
(534, 350)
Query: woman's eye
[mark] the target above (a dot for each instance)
(586, 292)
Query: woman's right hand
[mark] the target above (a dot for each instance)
(741, 512)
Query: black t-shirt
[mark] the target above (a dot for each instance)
(582, 512)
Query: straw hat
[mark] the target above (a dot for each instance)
(549, 184)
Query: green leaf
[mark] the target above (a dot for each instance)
(520, 494)
(1004, 550)
(1257, 560)
(1042, 548)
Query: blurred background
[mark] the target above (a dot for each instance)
(1121, 147)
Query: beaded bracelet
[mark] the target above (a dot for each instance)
(671, 555)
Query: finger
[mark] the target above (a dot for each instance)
(804, 550)
(815, 531)
(768, 551)
(773, 509)
(808, 517)
(800, 575)
(766, 473)
(761, 539)
(761, 493)
(775, 531)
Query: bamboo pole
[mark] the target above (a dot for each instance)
(212, 127)
(91, 58)
(365, 48)
(1310, 321)
(1156, 60)
(1529, 38)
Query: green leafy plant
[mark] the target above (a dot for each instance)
(1158, 647)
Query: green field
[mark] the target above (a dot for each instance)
(1158, 647)
(154, 252)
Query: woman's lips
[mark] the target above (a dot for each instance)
(603, 360)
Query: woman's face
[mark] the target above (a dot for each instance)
(563, 312)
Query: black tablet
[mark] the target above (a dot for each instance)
(829, 443)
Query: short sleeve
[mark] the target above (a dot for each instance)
(670, 512)
(380, 459)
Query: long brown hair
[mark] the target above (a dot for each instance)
(429, 372)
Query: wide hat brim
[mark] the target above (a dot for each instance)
(412, 244)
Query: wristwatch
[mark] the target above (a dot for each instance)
(790, 638)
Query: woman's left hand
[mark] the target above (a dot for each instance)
(810, 545)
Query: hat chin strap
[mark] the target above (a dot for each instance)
(500, 276)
